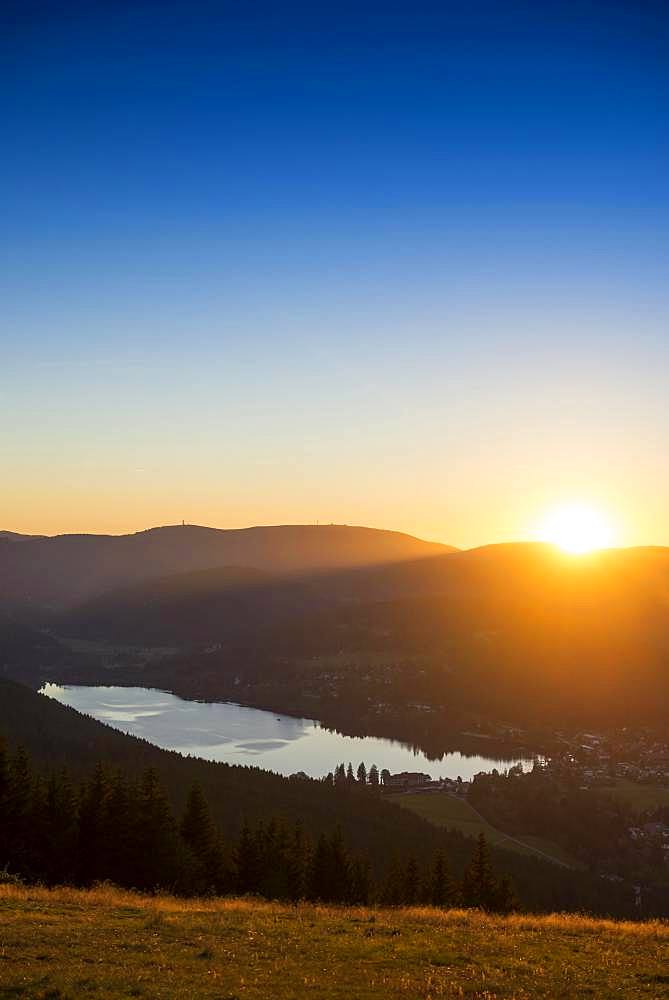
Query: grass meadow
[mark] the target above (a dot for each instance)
(456, 814)
(65, 944)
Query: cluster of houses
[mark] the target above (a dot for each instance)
(407, 780)
(653, 831)
(414, 781)
(637, 756)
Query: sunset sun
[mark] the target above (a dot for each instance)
(577, 528)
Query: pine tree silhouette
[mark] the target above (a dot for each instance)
(157, 835)
(91, 826)
(204, 843)
(59, 825)
(247, 863)
(441, 889)
(318, 878)
(392, 893)
(479, 885)
(297, 864)
(360, 883)
(410, 883)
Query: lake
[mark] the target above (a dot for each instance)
(223, 731)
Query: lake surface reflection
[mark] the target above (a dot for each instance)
(236, 735)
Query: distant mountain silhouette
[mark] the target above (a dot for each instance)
(67, 569)
(14, 536)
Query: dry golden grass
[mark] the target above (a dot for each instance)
(68, 943)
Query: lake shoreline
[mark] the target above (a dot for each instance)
(241, 734)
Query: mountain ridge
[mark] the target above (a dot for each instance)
(62, 570)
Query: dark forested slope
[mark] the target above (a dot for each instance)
(55, 735)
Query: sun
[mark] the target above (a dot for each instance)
(577, 528)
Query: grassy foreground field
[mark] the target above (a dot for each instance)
(106, 943)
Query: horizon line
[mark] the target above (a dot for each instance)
(332, 524)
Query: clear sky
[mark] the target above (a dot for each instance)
(396, 264)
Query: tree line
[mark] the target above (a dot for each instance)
(345, 775)
(111, 827)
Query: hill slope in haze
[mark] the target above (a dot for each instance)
(67, 569)
(14, 536)
(517, 632)
(496, 583)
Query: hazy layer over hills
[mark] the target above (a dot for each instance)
(518, 632)
(529, 586)
(67, 569)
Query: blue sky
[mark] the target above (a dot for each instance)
(398, 264)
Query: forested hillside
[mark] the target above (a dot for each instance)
(376, 830)
(120, 828)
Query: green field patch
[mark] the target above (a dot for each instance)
(639, 797)
(456, 814)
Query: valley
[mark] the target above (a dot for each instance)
(453, 664)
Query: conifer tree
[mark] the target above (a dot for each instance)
(374, 776)
(36, 835)
(479, 885)
(247, 863)
(359, 883)
(122, 850)
(350, 777)
(441, 889)
(505, 897)
(318, 877)
(4, 805)
(59, 829)
(157, 835)
(392, 892)
(297, 864)
(204, 843)
(4, 777)
(17, 822)
(340, 867)
(271, 844)
(91, 826)
(196, 826)
(410, 883)
(362, 773)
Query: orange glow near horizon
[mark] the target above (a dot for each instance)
(577, 528)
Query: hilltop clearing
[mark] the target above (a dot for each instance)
(106, 943)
